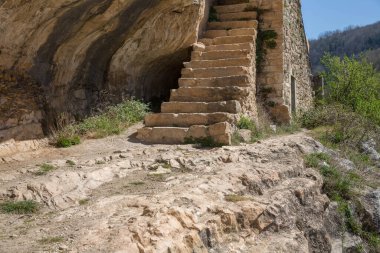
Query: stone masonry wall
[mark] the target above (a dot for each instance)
(289, 58)
(270, 75)
(296, 57)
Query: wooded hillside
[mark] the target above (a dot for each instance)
(351, 41)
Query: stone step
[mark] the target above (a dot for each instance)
(233, 8)
(243, 61)
(231, 106)
(229, 40)
(208, 94)
(215, 72)
(220, 133)
(239, 46)
(245, 15)
(217, 55)
(188, 119)
(232, 32)
(228, 25)
(229, 2)
(237, 81)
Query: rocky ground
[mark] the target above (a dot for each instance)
(118, 195)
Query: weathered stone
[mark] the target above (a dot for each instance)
(239, 81)
(232, 25)
(187, 119)
(209, 94)
(231, 32)
(216, 55)
(83, 54)
(231, 106)
(245, 135)
(252, 15)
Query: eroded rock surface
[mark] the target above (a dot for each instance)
(86, 53)
(253, 198)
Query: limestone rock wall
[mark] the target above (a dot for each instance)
(86, 53)
(21, 106)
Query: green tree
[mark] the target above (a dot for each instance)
(354, 83)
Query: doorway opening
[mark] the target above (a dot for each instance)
(293, 95)
(161, 77)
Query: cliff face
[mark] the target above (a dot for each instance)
(84, 53)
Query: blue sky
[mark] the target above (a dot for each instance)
(329, 15)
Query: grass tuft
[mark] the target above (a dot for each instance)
(45, 169)
(84, 201)
(19, 207)
(70, 163)
(137, 183)
(51, 240)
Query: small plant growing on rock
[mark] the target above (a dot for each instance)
(84, 201)
(19, 207)
(313, 160)
(67, 141)
(246, 123)
(342, 187)
(44, 169)
(137, 183)
(265, 40)
(235, 198)
(51, 240)
(70, 163)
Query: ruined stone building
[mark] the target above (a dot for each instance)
(70, 57)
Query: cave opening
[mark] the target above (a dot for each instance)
(161, 77)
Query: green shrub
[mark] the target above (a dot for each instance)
(313, 160)
(246, 123)
(111, 121)
(344, 127)
(19, 207)
(67, 141)
(353, 83)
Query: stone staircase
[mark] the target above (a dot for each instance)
(217, 85)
